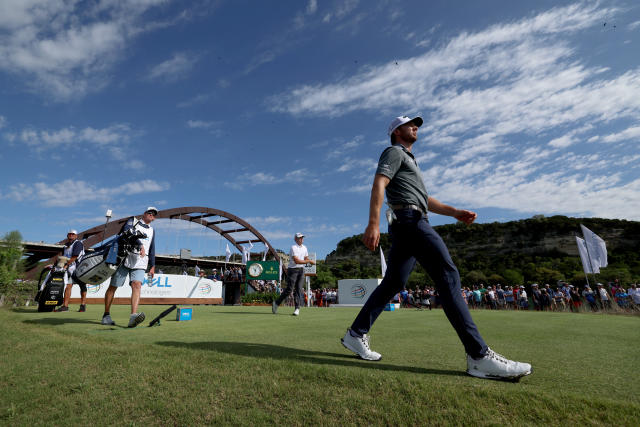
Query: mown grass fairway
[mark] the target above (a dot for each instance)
(243, 365)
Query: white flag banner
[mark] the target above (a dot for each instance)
(584, 256)
(596, 247)
(280, 271)
(245, 254)
(383, 263)
(228, 253)
(248, 250)
(264, 255)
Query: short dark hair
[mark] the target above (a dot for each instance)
(393, 138)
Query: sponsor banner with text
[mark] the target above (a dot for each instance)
(161, 286)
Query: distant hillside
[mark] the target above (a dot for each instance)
(539, 249)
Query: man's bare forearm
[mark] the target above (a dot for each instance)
(371, 235)
(436, 206)
(375, 204)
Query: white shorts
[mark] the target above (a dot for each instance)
(69, 274)
(135, 275)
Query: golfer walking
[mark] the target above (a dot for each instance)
(412, 238)
(298, 258)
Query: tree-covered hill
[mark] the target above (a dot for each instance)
(539, 249)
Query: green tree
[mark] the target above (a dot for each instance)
(348, 269)
(324, 277)
(513, 277)
(495, 279)
(548, 275)
(474, 277)
(10, 254)
(612, 273)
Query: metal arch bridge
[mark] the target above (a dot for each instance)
(199, 215)
(223, 223)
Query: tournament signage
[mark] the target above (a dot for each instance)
(162, 289)
(310, 269)
(263, 270)
(356, 291)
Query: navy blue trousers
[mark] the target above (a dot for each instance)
(412, 238)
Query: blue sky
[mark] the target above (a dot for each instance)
(279, 114)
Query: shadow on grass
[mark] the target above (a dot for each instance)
(246, 313)
(55, 321)
(309, 356)
(33, 309)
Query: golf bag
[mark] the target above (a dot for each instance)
(51, 293)
(99, 265)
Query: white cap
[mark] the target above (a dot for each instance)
(298, 235)
(152, 209)
(73, 231)
(399, 121)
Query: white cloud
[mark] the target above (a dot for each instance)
(561, 142)
(627, 134)
(262, 178)
(113, 139)
(342, 9)
(510, 111)
(634, 25)
(3, 122)
(299, 20)
(195, 100)
(276, 234)
(339, 149)
(176, 68)
(72, 192)
(368, 165)
(260, 221)
(425, 157)
(201, 124)
(66, 47)
(312, 7)
(558, 193)
(274, 45)
(517, 64)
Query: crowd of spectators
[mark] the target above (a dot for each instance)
(265, 286)
(563, 297)
(324, 297)
(231, 274)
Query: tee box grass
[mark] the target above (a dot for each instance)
(243, 365)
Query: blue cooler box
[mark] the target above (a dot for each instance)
(390, 307)
(184, 314)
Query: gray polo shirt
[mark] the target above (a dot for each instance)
(406, 186)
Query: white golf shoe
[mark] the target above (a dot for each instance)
(296, 312)
(136, 319)
(497, 367)
(360, 346)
